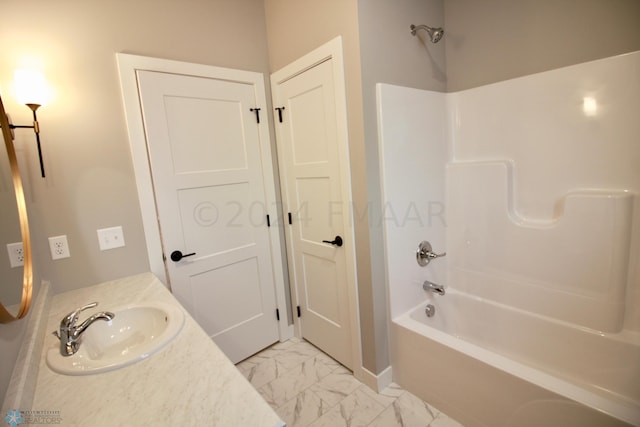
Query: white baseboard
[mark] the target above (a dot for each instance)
(375, 382)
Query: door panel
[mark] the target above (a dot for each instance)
(322, 291)
(214, 284)
(307, 110)
(313, 193)
(204, 150)
(212, 218)
(223, 150)
(311, 177)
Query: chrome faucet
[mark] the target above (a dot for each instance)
(70, 332)
(425, 253)
(433, 287)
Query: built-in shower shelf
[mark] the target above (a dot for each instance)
(572, 266)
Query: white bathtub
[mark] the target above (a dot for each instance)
(510, 367)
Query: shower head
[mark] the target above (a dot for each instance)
(435, 34)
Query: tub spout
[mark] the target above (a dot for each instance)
(433, 287)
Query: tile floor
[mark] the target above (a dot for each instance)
(308, 388)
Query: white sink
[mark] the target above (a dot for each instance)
(135, 333)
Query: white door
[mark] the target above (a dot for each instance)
(205, 156)
(313, 170)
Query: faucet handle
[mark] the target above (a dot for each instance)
(425, 253)
(72, 317)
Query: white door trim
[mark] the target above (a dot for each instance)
(128, 65)
(333, 50)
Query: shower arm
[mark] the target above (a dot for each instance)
(435, 34)
(414, 28)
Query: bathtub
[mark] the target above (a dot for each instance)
(508, 367)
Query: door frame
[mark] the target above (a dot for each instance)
(331, 50)
(128, 65)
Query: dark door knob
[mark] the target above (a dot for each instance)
(177, 255)
(337, 241)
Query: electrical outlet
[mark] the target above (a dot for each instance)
(59, 247)
(16, 254)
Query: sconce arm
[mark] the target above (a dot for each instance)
(36, 129)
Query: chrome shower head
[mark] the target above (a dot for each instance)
(435, 34)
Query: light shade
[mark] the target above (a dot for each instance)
(31, 88)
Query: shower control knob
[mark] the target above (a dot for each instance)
(425, 253)
(177, 255)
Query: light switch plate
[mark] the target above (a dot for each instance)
(110, 238)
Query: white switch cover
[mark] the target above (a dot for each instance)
(110, 238)
(59, 247)
(16, 254)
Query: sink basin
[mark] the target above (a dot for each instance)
(135, 333)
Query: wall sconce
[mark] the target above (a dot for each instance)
(31, 90)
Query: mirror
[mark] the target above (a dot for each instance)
(16, 283)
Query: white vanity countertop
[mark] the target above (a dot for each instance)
(189, 382)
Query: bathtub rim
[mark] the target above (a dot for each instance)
(624, 336)
(626, 411)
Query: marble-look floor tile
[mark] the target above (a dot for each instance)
(442, 420)
(357, 409)
(386, 397)
(307, 387)
(336, 386)
(286, 344)
(275, 350)
(397, 415)
(392, 391)
(261, 373)
(409, 411)
(417, 406)
(264, 355)
(280, 358)
(328, 360)
(296, 354)
(303, 409)
(288, 385)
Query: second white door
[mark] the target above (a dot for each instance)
(313, 169)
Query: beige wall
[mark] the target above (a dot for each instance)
(390, 54)
(294, 28)
(493, 40)
(90, 182)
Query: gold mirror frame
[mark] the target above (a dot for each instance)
(27, 282)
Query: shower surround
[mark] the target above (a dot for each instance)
(532, 188)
